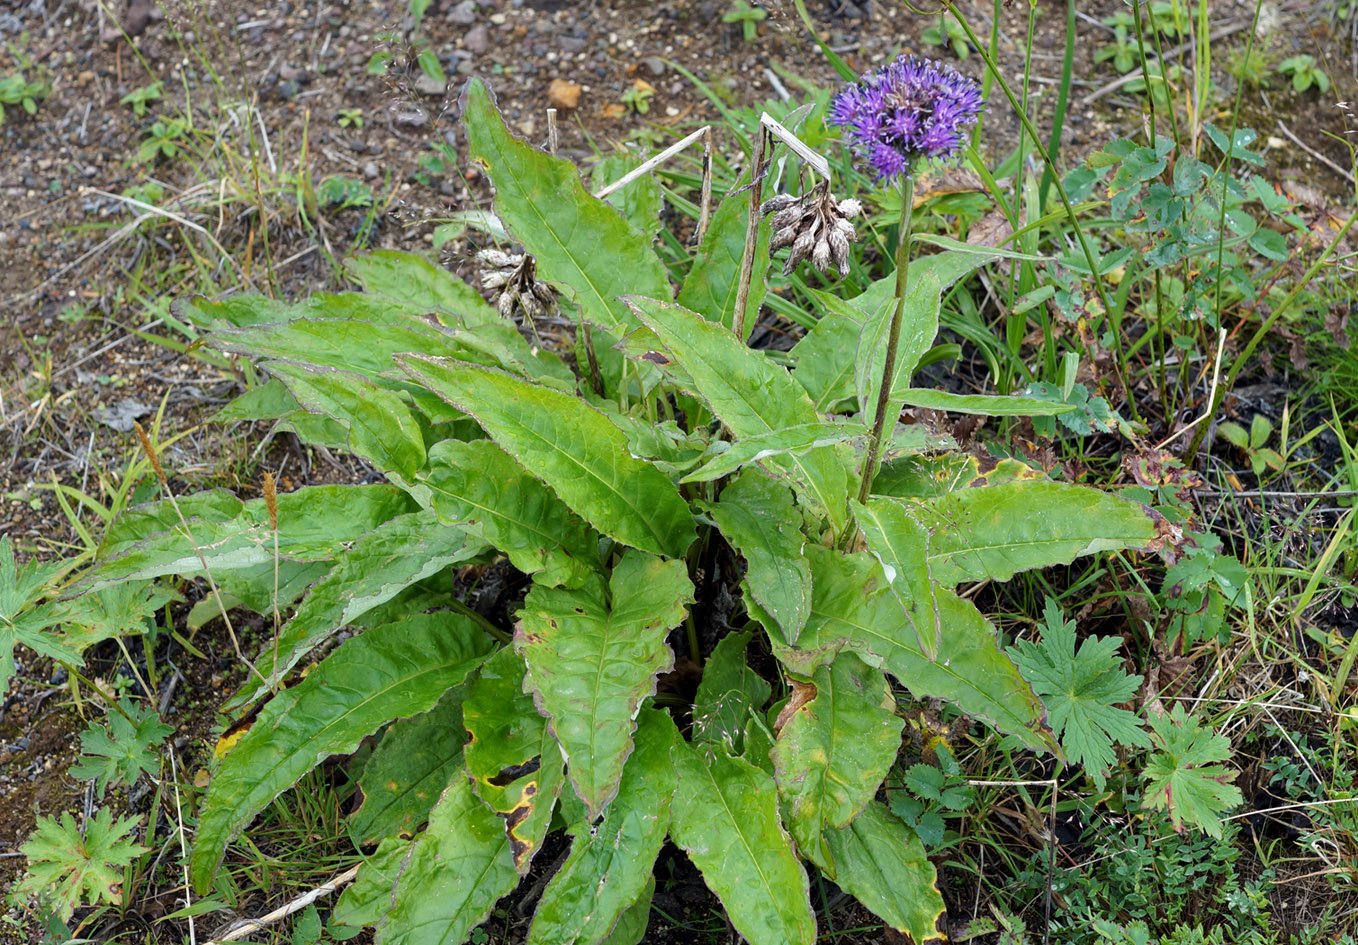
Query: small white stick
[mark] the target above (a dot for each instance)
(296, 905)
(705, 210)
(183, 844)
(813, 160)
(653, 163)
(551, 130)
(1211, 395)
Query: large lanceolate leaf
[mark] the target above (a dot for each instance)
(408, 770)
(759, 518)
(414, 280)
(992, 533)
(750, 394)
(477, 483)
(922, 477)
(834, 751)
(881, 863)
(314, 524)
(729, 696)
(985, 405)
(901, 545)
(919, 327)
(577, 240)
(514, 763)
(382, 429)
(369, 898)
(342, 343)
(725, 817)
(610, 863)
(593, 654)
(394, 671)
(710, 286)
(853, 608)
(570, 446)
(456, 871)
(751, 449)
(378, 566)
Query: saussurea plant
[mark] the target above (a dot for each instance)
(665, 488)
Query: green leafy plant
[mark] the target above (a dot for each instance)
(15, 90)
(1252, 443)
(1082, 690)
(68, 867)
(948, 34)
(1305, 73)
(637, 96)
(1182, 777)
(166, 138)
(350, 118)
(141, 99)
(124, 750)
(748, 16)
(664, 466)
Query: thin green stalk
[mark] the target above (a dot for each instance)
(460, 608)
(873, 459)
(1062, 101)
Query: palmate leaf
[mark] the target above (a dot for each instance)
(379, 565)
(710, 286)
(1181, 778)
(570, 446)
(610, 864)
(853, 608)
(408, 770)
(725, 817)
(593, 654)
(393, 671)
(834, 750)
(514, 763)
(454, 874)
(479, 484)
(995, 532)
(751, 395)
(124, 750)
(760, 519)
(1081, 691)
(576, 239)
(79, 869)
(882, 863)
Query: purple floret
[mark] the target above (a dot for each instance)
(905, 110)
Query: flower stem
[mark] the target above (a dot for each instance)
(751, 234)
(873, 459)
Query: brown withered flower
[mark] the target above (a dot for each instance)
(515, 275)
(815, 225)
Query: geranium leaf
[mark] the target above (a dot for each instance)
(1181, 777)
(76, 868)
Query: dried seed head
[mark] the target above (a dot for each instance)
(815, 225)
(150, 452)
(515, 275)
(271, 499)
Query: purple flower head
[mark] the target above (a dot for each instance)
(906, 110)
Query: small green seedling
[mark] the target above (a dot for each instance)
(350, 118)
(16, 90)
(1123, 48)
(142, 98)
(165, 139)
(747, 16)
(1252, 443)
(638, 97)
(1305, 73)
(948, 33)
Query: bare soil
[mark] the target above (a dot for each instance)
(74, 285)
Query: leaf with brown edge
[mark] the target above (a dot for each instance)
(593, 655)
